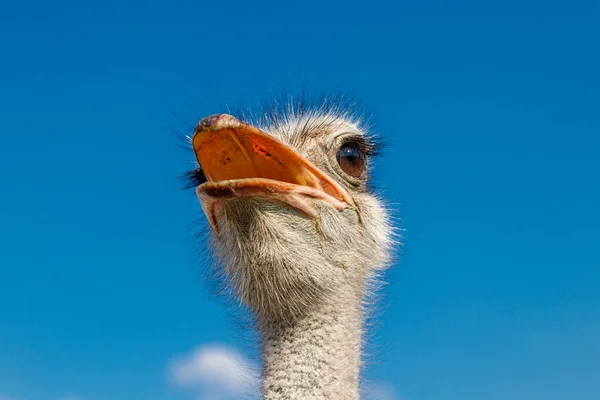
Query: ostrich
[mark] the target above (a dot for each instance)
(298, 235)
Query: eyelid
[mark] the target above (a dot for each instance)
(368, 146)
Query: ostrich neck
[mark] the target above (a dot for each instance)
(317, 356)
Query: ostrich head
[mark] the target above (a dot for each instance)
(294, 222)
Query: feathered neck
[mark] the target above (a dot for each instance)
(317, 356)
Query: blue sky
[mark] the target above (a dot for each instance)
(491, 115)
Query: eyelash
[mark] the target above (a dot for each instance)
(369, 145)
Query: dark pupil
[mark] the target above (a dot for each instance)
(351, 159)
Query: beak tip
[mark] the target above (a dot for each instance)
(216, 122)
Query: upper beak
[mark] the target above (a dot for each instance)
(228, 149)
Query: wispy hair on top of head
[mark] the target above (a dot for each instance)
(282, 106)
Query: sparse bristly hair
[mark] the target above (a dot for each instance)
(306, 264)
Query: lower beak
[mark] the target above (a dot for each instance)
(238, 159)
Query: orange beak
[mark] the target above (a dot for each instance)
(238, 160)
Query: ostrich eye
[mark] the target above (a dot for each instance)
(351, 159)
(197, 177)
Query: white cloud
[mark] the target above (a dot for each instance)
(380, 391)
(217, 371)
